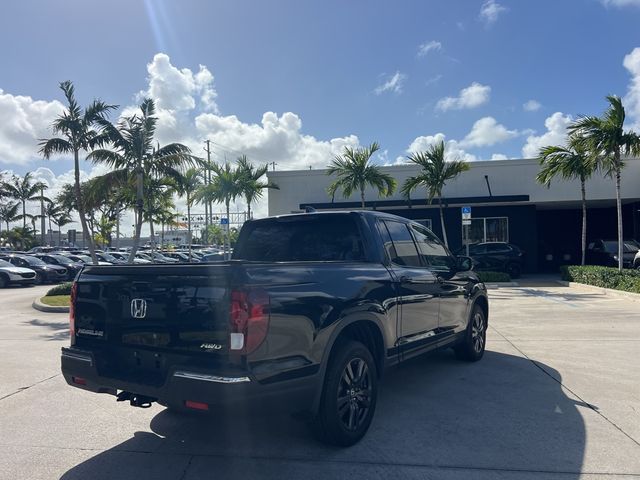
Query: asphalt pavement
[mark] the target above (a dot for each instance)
(557, 396)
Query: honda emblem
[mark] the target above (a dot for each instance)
(138, 308)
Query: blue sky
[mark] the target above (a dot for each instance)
(327, 62)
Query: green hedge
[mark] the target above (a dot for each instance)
(62, 289)
(489, 277)
(605, 277)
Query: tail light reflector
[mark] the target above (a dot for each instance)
(72, 312)
(196, 405)
(249, 319)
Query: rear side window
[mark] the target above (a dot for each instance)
(315, 238)
(432, 251)
(399, 244)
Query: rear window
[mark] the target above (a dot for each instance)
(315, 238)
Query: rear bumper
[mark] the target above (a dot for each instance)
(213, 388)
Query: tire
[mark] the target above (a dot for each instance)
(349, 396)
(39, 279)
(514, 270)
(4, 281)
(471, 349)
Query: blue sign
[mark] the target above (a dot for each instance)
(224, 221)
(466, 210)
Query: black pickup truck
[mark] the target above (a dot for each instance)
(307, 315)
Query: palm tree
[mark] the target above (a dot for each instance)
(569, 163)
(188, 185)
(606, 137)
(76, 127)
(159, 194)
(436, 171)
(9, 213)
(355, 172)
(135, 151)
(51, 211)
(24, 190)
(225, 187)
(251, 186)
(61, 220)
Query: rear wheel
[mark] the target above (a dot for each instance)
(4, 281)
(471, 349)
(39, 279)
(348, 397)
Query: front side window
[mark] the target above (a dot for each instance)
(433, 253)
(399, 245)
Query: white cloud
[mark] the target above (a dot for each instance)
(556, 134)
(621, 3)
(393, 84)
(454, 151)
(23, 121)
(490, 11)
(473, 96)
(632, 98)
(427, 47)
(499, 156)
(178, 90)
(486, 132)
(433, 80)
(531, 106)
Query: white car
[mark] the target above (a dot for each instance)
(12, 275)
(636, 260)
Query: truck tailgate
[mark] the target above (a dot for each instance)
(141, 320)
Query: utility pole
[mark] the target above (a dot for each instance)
(207, 181)
(273, 166)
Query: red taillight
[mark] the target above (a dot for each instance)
(72, 312)
(78, 380)
(248, 319)
(196, 405)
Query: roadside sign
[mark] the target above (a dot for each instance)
(466, 213)
(224, 221)
(466, 221)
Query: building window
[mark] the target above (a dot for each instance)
(426, 222)
(489, 229)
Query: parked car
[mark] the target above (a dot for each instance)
(109, 257)
(605, 252)
(12, 275)
(496, 257)
(86, 259)
(44, 273)
(55, 259)
(179, 256)
(160, 258)
(124, 258)
(306, 316)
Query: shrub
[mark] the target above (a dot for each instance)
(605, 277)
(488, 277)
(62, 289)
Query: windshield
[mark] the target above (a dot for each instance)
(62, 259)
(4, 263)
(33, 261)
(108, 257)
(628, 246)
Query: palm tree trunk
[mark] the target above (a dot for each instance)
(59, 236)
(362, 197)
(248, 208)
(140, 209)
(83, 220)
(584, 219)
(24, 215)
(444, 230)
(153, 239)
(43, 219)
(227, 234)
(189, 224)
(619, 209)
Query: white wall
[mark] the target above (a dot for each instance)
(507, 177)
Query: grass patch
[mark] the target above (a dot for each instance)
(62, 289)
(56, 300)
(605, 277)
(490, 277)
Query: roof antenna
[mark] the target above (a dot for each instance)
(309, 209)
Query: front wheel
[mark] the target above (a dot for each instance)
(514, 270)
(471, 349)
(4, 281)
(39, 279)
(348, 397)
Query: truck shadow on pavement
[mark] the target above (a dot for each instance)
(59, 330)
(436, 416)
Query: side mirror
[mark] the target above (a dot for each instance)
(464, 264)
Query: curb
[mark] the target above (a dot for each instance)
(38, 305)
(606, 291)
(501, 284)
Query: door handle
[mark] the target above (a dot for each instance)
(405, 279)
(439, 279)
